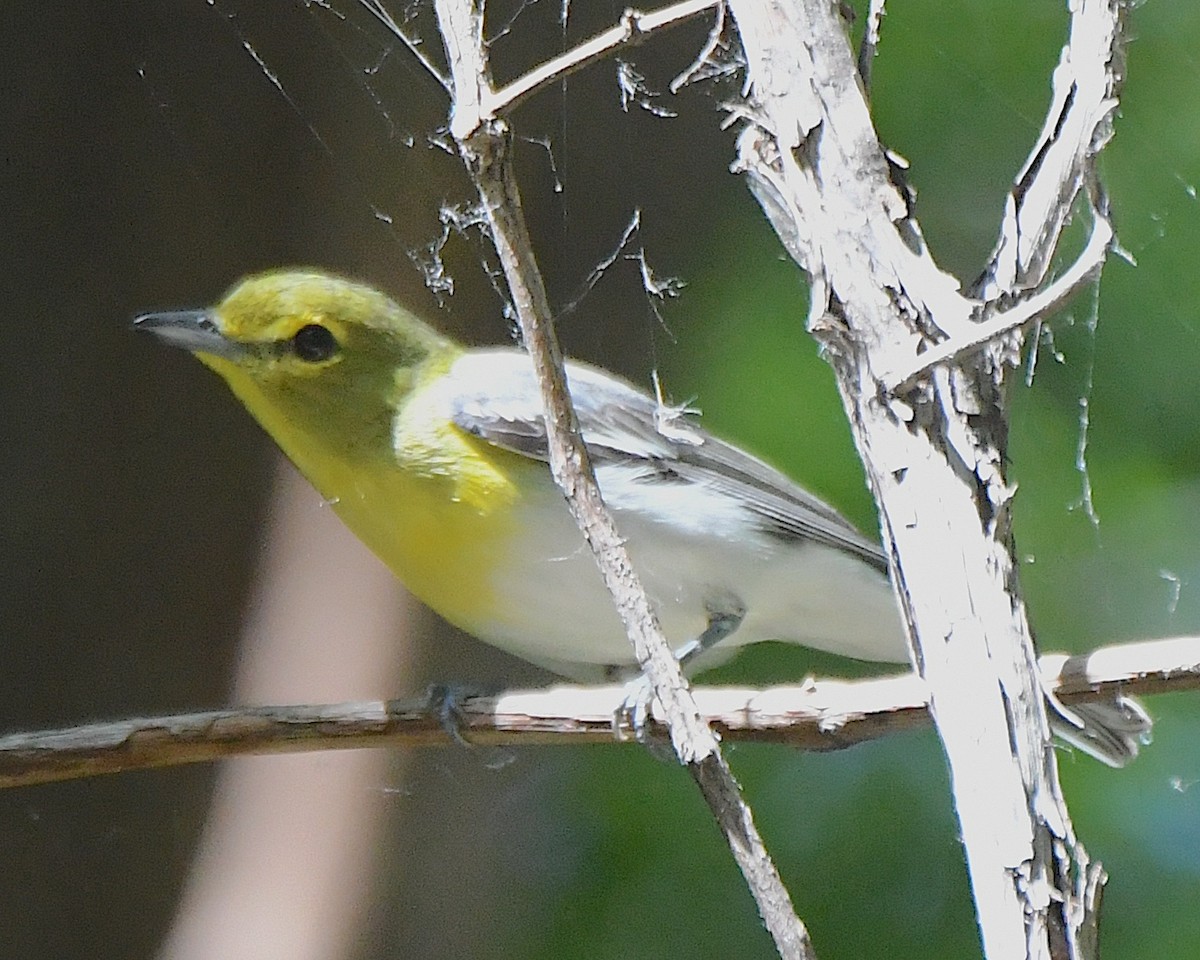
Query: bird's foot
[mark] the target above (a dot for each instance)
(445, 701)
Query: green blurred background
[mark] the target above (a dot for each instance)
(147, 160)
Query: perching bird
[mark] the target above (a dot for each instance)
(435, 455)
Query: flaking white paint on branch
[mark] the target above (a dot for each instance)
(930, 436)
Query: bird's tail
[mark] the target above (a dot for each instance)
(1110, 730)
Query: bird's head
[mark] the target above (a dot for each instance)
(308, 352)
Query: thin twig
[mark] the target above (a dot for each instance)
(1061, 162)
(707, 53)
(1039, 306)
(484, 144)
(633, 27)
(817, 715)
(377, 10)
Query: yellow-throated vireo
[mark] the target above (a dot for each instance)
(435, 456)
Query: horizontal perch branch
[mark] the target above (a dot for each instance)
(824, 715)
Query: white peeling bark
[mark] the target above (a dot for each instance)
(933, 443)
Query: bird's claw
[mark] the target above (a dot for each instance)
(634, 716)
(445, 701)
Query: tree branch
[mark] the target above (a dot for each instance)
(934, 448)
(632, 29)
(1038, 306)
(816, 715)
(484, 144)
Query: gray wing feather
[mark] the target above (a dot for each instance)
(621, 424)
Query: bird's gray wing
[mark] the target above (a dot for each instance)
(495, 397)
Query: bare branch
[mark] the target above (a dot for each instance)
(704, 64)
(817, 715)
(934, 447)
(484, 144)
(632, 29)
(377, 10)
(1039, 306)
(1062, 161)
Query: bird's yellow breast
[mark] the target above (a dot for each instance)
(436, 504)
(440, 510)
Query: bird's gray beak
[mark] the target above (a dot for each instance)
(193, 330)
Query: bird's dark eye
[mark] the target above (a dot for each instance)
(314, 343)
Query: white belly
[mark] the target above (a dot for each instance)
(555, 611)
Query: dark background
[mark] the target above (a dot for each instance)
(147, 160)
